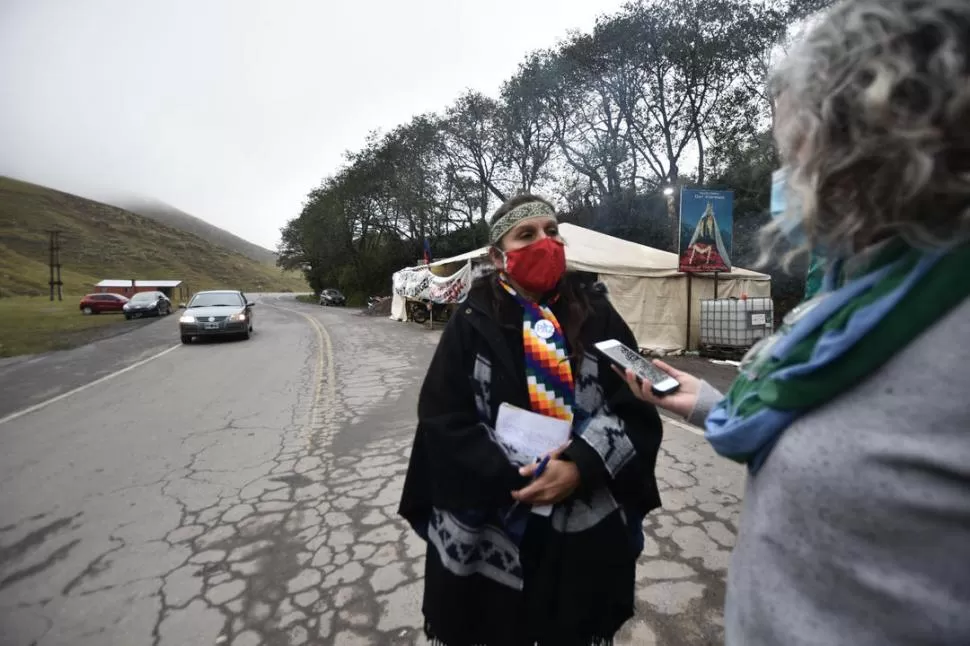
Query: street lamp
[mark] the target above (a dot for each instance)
(669, 191)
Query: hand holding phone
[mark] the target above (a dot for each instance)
(681, 403)
(661, 383)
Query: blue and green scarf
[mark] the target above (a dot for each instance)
(859, 320)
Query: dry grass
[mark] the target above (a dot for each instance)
(100, 241)
(30, 325)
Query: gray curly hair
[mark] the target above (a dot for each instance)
(874, 121)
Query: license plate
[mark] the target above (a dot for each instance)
(211, 326)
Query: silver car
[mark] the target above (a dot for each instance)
(217, 313)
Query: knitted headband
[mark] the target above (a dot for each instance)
(518, 214)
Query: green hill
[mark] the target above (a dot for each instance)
(100, 241)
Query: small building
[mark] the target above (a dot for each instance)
(174, 289)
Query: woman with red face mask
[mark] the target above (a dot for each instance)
(496, 573)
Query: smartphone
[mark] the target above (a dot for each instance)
(627, 359)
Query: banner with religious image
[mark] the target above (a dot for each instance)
(706, 230)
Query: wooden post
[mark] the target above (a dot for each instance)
(690, 299)
(55, 265)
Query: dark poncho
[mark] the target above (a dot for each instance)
(493, 580)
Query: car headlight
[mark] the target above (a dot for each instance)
(186, 318)
(241, 316)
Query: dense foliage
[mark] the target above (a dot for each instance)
(661, 94)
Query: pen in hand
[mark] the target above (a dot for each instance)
(535, 476)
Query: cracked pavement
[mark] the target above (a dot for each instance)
(228, 493)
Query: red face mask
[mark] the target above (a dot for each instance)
(538, 267)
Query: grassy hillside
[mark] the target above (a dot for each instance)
(172, 217)
(101, 241)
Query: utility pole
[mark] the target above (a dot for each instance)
(55, 264)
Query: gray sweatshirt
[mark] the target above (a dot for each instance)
(856, 531)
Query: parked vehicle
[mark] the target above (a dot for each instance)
(332, 297)
(99, 303)
(147, 304)
(217, 313)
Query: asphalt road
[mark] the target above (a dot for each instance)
(245, 492)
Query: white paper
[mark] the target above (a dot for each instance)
(529, 436)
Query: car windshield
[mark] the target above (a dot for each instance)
(217, 299)
(144, 296)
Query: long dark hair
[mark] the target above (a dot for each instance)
(572, 291)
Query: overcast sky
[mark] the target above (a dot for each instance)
(232, 110)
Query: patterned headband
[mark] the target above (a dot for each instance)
(518, 214)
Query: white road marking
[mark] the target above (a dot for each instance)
(684, 426)
(70, 393)
(325, 359)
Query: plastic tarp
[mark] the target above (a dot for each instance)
(656, 308)
(419, 283)
(399, 308)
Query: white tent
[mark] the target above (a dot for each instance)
(644, 285)
(649, 292)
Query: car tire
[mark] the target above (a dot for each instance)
(87, 311)
(186, 339)
(245, 335)
(127, 317)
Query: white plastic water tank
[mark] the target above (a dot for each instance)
(736, 322)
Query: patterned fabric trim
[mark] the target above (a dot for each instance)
(469, 547)
(466, 550)
(589, 393)
(580, 516)
(603, 431)
(516, 215)
(482, 387)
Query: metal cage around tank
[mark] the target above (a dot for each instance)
(730, 326)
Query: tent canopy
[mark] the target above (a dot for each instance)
(588, 250)
(659, 303)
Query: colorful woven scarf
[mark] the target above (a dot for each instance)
(827, 345)
(547, 369)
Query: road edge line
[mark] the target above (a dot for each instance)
(100, 380)
(679, 424)
(326, 363)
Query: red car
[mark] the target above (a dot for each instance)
(98, 303)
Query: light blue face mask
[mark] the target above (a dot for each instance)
(784, 209)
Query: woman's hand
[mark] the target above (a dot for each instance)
(556, 483)
(681, 402)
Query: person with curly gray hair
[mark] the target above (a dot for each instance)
(853, 419)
